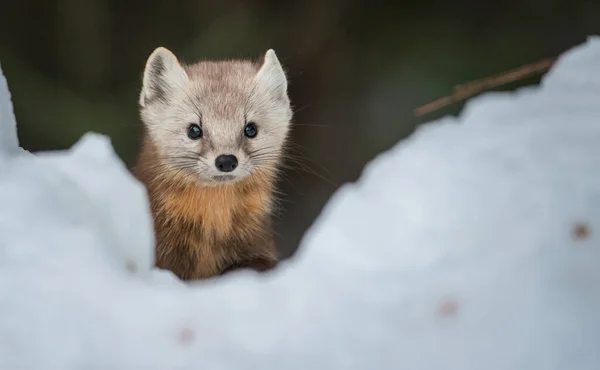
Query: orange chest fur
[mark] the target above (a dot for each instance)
(219, 212)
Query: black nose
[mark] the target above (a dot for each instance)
(226, 163)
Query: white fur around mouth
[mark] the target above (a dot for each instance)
(224, 178)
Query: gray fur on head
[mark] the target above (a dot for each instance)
(221, 97)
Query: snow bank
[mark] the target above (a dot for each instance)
(9, 143)
(471, 245)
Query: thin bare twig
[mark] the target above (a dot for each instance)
(469, 89)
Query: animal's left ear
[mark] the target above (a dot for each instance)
(272, 76)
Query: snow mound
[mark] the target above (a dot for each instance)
(83, 199)
(9, 143)
(471, 245)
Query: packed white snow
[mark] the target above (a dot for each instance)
(473, 244)
(9, 143)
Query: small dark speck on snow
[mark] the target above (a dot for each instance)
(448, 308)
(186, 336)
(581, 231)
(131, 266)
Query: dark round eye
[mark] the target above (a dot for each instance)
(194, 132)
(250, 130)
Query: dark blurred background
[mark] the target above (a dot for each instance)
(357, 69)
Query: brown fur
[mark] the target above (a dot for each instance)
(205, 231)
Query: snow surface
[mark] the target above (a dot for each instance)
(473, 244)
(9, 143)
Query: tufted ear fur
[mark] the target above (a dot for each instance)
(162, 75)
(272, 76)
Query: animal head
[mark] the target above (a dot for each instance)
(218, 121)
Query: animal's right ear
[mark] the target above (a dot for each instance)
(162, 75)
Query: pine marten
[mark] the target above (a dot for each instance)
(213, 137)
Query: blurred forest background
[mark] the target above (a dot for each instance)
(357, 68)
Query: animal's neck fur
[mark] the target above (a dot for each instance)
(203, 230)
